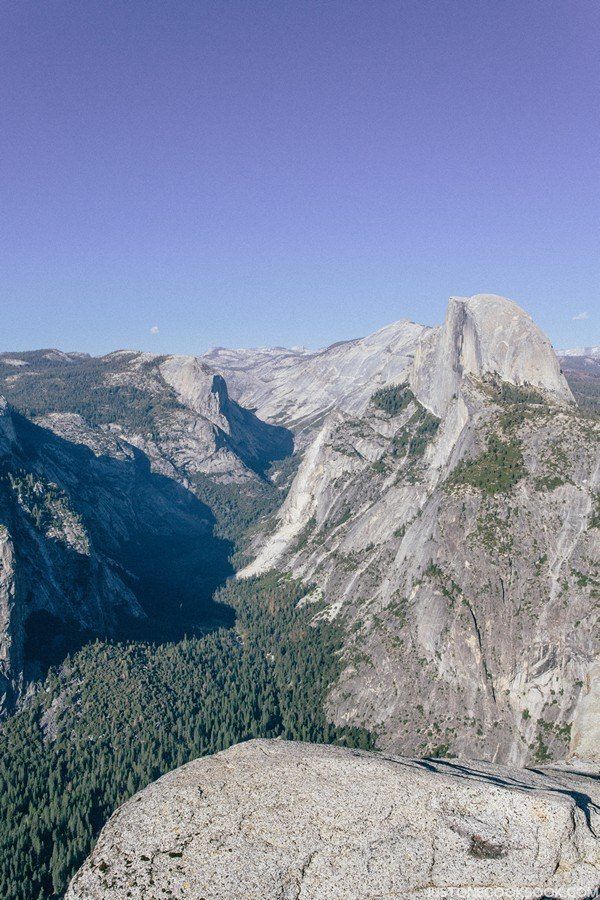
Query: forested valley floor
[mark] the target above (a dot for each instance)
(116, 716)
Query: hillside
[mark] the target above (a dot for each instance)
(127, 483)
(93, 543)
(453, 531)
(297, 388)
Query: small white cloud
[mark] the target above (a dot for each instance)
(154, 329)
(577, 318)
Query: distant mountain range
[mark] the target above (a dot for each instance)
(298, 388)
(589, 352)
(582, 369)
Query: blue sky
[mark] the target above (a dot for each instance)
(184, 174)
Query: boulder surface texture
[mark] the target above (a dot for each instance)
(277, 819)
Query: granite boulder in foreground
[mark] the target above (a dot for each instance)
(277, 819)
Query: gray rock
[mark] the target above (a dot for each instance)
(470, 614)
(298, 388)
(271, 820)
(205, 431)
(484, 334)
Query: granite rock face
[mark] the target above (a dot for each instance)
(456, 542)
(481, 334)
(273, 819)
(297, 388)
(92, 543)
(239, 445)
(484, 334)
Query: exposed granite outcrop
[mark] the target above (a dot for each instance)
(297, 388)
(481, 335)
(460, 557)
(275, 820)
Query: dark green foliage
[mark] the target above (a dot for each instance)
(518, 403)
(448, 587)
(305, 534)
(82, 387)
(549, 482)
(44, 502)
(506, 392)
(282, 471)
(236, 507)
(497, 470)
(541, 752)
(442, 751)
(412, 440)
(344, 514)
(392, 400)
(117, 716)
(306, 653)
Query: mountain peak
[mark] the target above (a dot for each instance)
(485, 334)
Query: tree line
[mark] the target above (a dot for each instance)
(116, 716)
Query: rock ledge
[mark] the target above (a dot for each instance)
(276, 819)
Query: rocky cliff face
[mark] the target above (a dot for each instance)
(271, 819)
(484, 335)
(297, 388)
(208, 432)
(453, 528)
(176, 409)
(93, 543)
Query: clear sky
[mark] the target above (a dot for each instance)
(177, 174)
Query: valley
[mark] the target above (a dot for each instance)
(390, 544)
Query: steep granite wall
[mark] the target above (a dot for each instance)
(454, 529)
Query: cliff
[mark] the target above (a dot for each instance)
(453, 529)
